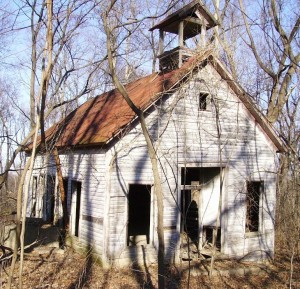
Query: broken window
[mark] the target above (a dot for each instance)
(203, 101)
(254, 192)
(139, 200)
(208, 236)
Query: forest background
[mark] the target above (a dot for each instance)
(54, 56)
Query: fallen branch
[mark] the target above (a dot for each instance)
(8, 255)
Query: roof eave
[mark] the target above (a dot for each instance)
(246, 99)
(177, 15)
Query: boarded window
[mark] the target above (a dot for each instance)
(254, 192)
(203, 101)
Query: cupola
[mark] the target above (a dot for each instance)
(190, 21)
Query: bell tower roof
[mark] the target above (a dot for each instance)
(195, 15)
(190, 21)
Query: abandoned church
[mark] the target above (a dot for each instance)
(217, 155)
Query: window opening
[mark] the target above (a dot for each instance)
(208, 236)
(139, 200)
(203, 98)
(254, 191)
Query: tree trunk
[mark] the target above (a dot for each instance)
(25, 201)
(151, 152)
(218, 220)
(18, 223)
(62, 190)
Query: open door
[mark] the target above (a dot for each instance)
(200, 192)
(210, 195)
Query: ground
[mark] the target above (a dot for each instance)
(68, 269)
(49, 267)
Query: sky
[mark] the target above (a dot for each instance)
(88, 45)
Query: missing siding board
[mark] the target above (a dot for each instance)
(208, 236)
(92, 219)
(169, 228)
(34, 186)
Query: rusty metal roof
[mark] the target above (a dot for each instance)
(100, 119)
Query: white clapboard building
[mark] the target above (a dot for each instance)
(217, 157)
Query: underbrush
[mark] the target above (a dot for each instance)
(68, 269)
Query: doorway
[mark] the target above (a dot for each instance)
(190, 214)
(50, 199)
(139, 209)
(76, 207)
(200, 193)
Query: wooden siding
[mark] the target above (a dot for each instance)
(89, 168)
(186, 136)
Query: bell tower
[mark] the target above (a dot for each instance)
(188, 22)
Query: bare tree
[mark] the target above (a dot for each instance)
(54, 27)
(57, 46)
(270, 43)
(269, 32)
(288, 198)
(282, 43)
(112, 30)
(150, 146)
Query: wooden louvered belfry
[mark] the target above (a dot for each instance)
(192, 20)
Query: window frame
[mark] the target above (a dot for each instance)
(257, 228)
(204, 101)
